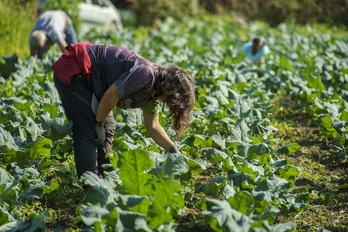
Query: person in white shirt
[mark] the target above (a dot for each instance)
(52, 27)
(255, 50)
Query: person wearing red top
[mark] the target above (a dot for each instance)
(115, 76)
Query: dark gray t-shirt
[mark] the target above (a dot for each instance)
(133, 75)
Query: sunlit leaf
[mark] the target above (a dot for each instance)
(243, 202)
(132, 165)
(226, 218)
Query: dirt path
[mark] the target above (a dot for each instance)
(325, 176)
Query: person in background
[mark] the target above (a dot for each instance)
(51, 27)
(92, 79)
(255, 50)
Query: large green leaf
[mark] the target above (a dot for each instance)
(9, 188)
(215, 186)
(9, 227)
(239, 133)
(168, 199)
(91, 215)
(243, 202)
(33, 129)
(327, 122)
(34, 223)
(288, 149)
(259, 153)
(219, 140)
(131, 221)
(225, 218)
(7, 143)
(133, 166)
(176, 164)
(135, 203)
(99, 190)
(276, 184)
(39, 189)
(198, 140)
(214, 155)
(5, 216)
(241, 179)
(284, 227)
(289, 173)
(40, 148)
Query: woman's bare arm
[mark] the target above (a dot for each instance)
(156, 131)
(107, 103)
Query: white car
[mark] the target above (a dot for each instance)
(100, 15)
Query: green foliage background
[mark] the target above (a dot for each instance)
(19, 16)
(16, 22)
(231, 148)
(149, 12)
(275, 12)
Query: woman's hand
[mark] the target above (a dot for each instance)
(174, 149)
(100, 131)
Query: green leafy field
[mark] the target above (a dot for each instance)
(266, 151)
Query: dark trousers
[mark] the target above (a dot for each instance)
(76, 100)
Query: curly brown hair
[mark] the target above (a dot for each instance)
(178, 87)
